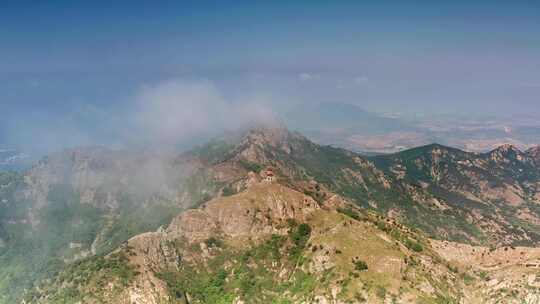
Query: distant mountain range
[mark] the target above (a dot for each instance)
(351, 127)
(343, 116)
(267, 216)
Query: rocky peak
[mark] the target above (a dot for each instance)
(259, 143)
(262, 209)
(506, 153)
(534, 153)
(277, 137)
(433, 152)
(507, 148)
(438, 150)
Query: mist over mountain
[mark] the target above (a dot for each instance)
(276, 152)
(77, 208)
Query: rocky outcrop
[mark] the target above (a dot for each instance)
(506, 153)
(257, 144)
(509, 274)
(262, 210)
(251, 217)
(534, 153)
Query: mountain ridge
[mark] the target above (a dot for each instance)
(432, 189)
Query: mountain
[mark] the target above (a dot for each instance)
(273, 244)
(256, 192)
(448, 193)
(83, 202)
(498, 192)
(350, 126)
(336, 115)
(534, 153)
(268, 244)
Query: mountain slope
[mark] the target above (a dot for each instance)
(498, 190)
(335, 115)
(534, 153)
(272, 244)
(302, 164)
(489, 199)
(82, 203)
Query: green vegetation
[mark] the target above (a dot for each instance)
(214, 151)
(88, 279)
(228, 191)
(65, 230)
(360, 265)
(35, 254)
(200, 186)
(213, 242)
(270, 249)
(133, 218)
(202, 287)
(414, 245)
(299, 235)
(318, 196)
(253, 275)
(350, 213)
(250, 166)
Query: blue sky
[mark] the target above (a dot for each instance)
(70, 59)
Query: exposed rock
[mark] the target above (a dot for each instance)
(263, 209)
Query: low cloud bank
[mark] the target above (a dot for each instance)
(176, 111)
(171, 113)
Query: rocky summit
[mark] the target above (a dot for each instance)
(267, 216)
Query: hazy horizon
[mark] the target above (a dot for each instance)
(100, 73)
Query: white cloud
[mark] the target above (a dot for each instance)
(176, 110)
